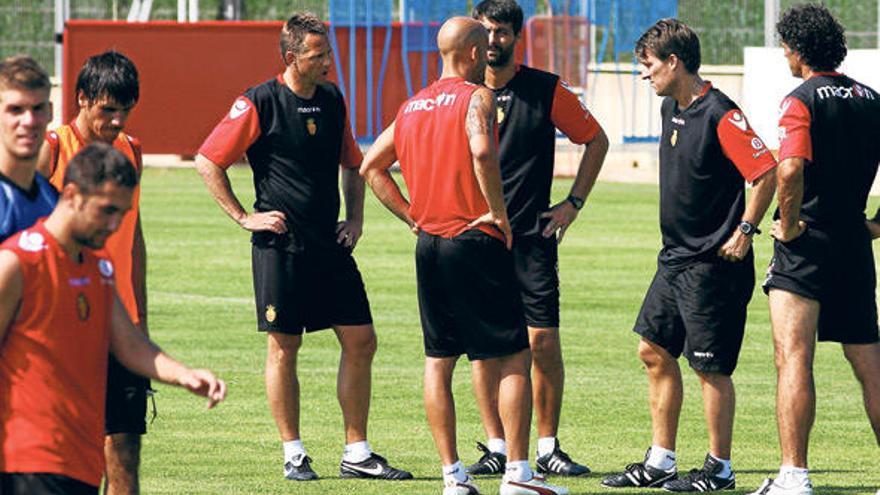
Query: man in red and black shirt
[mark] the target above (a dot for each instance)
(445, 139)
(821, 280)
(696, 304)
(295, 133)
(531, 104)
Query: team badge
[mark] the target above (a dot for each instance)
(82, 307)
(105, 267)
(674, 138)
(500, 112)
(271, 314)
(311, 126)
(31, 241)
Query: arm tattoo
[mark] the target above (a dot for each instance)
(478, 120)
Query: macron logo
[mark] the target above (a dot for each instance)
(429, 104)
(238, 108)
(738, 120)
(844, 93)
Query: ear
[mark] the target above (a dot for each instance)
(81, 99)
(289, 57)
(673, 61)
(474, 52)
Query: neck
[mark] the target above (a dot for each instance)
(807, 72)
(498, 77)
(689, 90)
(20, 171)
(58, 225)
(296, 84)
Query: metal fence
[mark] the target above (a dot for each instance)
(725, 26)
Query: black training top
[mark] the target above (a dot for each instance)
(294, 146)
(706, 150)
(832, 122)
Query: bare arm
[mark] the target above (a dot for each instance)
(480, 127)
(218, 185)
(376, 171)
(140, 355)
(349, 231)
(139, 274)
(563, 214)
(11, 287)
(737, 246)
(790, 181)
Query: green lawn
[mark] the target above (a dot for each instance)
(201, 311)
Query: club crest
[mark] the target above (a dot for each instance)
(271, 314)
(311, 126)
(82, 307)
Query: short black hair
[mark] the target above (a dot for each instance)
(294, 32)
(501, 11)
(668, 36)
(815, 34)
(98, 163)
(109, 74)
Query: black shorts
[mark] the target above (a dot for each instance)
(126, 402)
(468, 297)
(308, 290)
(43, 484)
(536, 266)
(837, 273)
(700, 310)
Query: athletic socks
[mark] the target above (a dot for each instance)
(292, 449)
(546, 446)
(792, 476)
(357, 452)
(518, 471)
(497, 445)
(454, 473)
(660, 458)
(726, 472)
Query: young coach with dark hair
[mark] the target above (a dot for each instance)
(696, 304)
(821, 280)
(531, 104)
(295, 132)
(107, 89)
(60, 316)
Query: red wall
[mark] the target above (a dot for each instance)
(191, 73)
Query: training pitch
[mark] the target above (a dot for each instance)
(201, 310)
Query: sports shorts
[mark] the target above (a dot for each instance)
(126, 402)
(699, 310)
(836, 271)
(468, 297)
(43, 484)
(536, 267)
(307, 290)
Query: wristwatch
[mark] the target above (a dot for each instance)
(748, 228)
(575, 201)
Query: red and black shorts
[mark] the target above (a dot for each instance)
(699, 310)
(838, 272)
(468, 297)
(309, 290)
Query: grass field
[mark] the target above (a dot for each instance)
(201, 311)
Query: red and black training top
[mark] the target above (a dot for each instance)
(294, 146)
(832, 122)
(531, 107)
(707, 151)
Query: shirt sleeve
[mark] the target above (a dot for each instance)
(794, 130)
(570, 115)
(233, 135)
(351, 156)
(743, 147)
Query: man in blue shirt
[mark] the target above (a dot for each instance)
(25, 111)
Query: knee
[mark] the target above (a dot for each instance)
(789, 355)
(360, 345)
(865, 360)
(284, 348)
(545, 348)
(654, 357)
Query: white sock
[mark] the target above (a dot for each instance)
(726, 471)
(292, 449)
(518, 471)
(790, 475)
(497, 445)
(454, 473)
(546, 445)
(357, 452)
(660, 458)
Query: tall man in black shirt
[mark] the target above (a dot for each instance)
(531, 105)
(295, 133)
(696, 304)
(821, 280)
